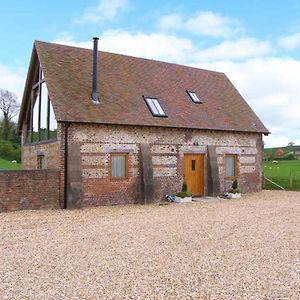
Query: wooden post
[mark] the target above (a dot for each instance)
(291, 180)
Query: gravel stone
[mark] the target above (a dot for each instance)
(247, 248)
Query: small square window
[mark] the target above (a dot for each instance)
(230, 166)
(119, 166)
(155, 107)
(194, 96)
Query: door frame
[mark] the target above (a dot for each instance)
(204, 154)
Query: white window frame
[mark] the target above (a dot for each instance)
(235, 160)
(154, 106)
(193, 95)
(125, 156)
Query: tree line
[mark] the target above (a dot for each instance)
(9, 108)
(9, 139)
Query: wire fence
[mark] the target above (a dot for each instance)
(289, 180)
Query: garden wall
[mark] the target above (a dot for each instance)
(29, 189)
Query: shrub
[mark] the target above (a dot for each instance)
(234, 187)
(289, 156)
(184, 187)
(10, 151)
(184, 192)
(234, 184)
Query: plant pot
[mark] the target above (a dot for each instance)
(183, 200)
(234, 195)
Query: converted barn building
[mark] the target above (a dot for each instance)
(123, 129)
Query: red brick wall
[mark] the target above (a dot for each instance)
(53, 155)
(32, 189)
(106, 192)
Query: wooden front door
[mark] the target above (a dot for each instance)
(194, 173)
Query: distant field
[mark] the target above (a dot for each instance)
(286, 149)
(7, 165)
(280, 173)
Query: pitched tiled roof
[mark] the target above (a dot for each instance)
(123, 80)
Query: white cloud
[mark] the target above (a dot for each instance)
(105, 10)
(172, 21)
(239, 49)
(154, 46)
(210, 24)
(12, 80)
(280, 140)
(170, 47)
(290, 42)
(271, 87)
(205, 23)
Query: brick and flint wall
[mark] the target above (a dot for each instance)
(168, 146)
(48, 149)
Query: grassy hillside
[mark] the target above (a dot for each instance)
(10, 150)
(287, 150)
(281, 172)
(8, 165)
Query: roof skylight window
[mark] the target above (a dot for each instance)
(155, 107)
(194, 96)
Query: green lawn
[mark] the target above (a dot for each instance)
(7, 165)
(280, 173)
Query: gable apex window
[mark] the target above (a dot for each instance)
(154, 106)
(194, 96)
(40, 122)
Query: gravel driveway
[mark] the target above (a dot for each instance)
(222, 249)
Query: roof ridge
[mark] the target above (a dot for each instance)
(125, 79)
(134, 57)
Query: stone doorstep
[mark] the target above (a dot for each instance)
(206, 199)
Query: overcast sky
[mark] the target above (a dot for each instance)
(256, 43)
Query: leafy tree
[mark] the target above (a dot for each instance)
(10, 150)
(279, 152)
(9, 107)
(291, 144)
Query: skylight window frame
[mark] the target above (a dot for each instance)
(147, 99)
(190, 92)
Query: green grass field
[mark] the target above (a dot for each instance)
(7, 165)
(280, 173)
